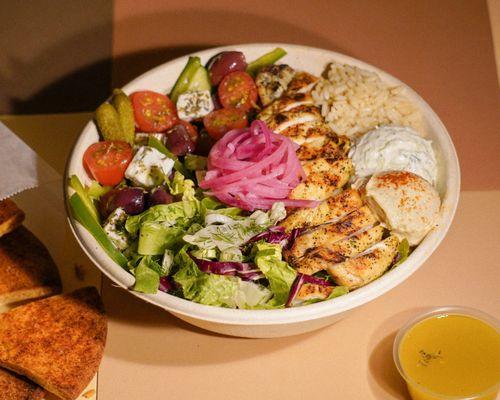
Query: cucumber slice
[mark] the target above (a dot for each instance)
(265, 60)
(184, 79)
(200, 81)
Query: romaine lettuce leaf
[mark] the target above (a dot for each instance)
(179, 214)
(155, 237)
(216, 290)
(279, 274)
(146, 279)
(182, 186)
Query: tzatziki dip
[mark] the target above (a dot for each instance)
(394, 148)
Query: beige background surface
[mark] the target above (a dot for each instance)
(152, 355)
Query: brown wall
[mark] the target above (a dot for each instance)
(55, 56)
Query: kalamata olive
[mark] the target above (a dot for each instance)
(132, 200)
(223, 63)
(160, 196)
(205, 143)
(178, 140)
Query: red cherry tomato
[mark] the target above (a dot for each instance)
(107, 161)
(238, 90)
(218, 122)
(153, 112)
(191, 130)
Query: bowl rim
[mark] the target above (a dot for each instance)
(318, 310)
(432, 313)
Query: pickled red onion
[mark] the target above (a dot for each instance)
(253, 168)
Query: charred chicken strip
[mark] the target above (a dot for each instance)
(333, 232)
(367, 266)
(330, 210)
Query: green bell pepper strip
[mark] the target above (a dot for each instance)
(265, 60)
(82, 213)
(184, 79)
(178, 166)
(75, 183)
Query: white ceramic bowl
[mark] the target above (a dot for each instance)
(291, 321)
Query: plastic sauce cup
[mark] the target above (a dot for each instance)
(450, 353)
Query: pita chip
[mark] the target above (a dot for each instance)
(27, 270)
(14, 387)
(10, 216)
(56, 342)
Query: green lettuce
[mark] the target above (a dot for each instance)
(182, 186)
(155, 237)
(179, 214)
(279, 274)
(147, 279)
(216, 290)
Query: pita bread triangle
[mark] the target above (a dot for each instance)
(11, 216)
(14, 387)
(56, 342)
(27, 270)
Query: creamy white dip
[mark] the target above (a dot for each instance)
(394, 148)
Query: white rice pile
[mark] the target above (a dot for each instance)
(354, 101)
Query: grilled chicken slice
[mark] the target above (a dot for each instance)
(286, 122)
(323, 177)
(311, 291)
(331, 233)
(330, 210)
(302, 82)
(272, 81)
(326, 146)
(285, 103)
(321, 258)
(367, 266)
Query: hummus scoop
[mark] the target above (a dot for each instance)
(405, 202)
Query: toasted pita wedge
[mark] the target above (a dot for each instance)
(56, 342)
(11, 216)
(27, 270)
(14, 387)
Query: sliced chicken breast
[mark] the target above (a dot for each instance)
(333, 232)
(272, 82)
(323, 177)
(330, 210)
(367, 266)
(285, 103)
(302, 82)
(320, 258)
(311, 291)
(325, 146)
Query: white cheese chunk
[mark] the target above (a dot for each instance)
(149, 167)
(193, 105)
(114, 228)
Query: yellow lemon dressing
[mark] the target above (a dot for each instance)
(451, 355)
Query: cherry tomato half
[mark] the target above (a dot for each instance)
(107, 161)
(238, 90)
(153, 112)
(218, 122)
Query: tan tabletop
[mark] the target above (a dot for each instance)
(152, 355)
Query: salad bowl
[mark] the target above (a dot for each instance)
(286, 321)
